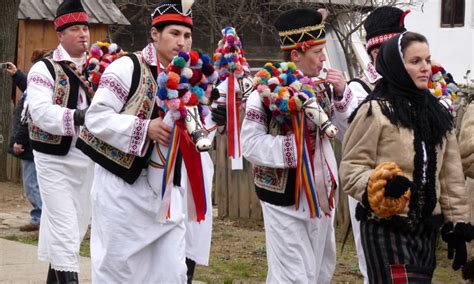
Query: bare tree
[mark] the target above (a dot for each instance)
(8, 33)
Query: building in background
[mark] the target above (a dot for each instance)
(449, 27)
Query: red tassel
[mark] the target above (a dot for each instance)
(402, 18)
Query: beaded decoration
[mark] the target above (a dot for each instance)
(185, 82)
(283, 89)
(229, 57)
(100, 56)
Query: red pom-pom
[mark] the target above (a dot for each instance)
(193, 100)
(194, 56)
(174, 68)
(196, 78)
(102, 66)
(292, 104)
(275, 71)
(272, 87)
(173, 81)
(107, 58)
(435, 69)
(170, 84)
(95, 78)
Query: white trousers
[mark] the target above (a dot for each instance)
(357, 238)
(129, 244)
(299, 249)
(65, 184)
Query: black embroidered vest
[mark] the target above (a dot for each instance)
(141, 103)
(66, 93)
(275, 186)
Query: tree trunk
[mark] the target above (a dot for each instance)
(8, 38)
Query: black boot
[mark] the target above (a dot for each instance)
(67, 277)
(191, 264)
(51, 279)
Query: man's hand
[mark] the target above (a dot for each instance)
(159, 131)
(18, 149)
(10, 68)
(337, 80)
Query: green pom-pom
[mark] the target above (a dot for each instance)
(179, 62)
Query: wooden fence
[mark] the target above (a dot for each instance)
(234, 191)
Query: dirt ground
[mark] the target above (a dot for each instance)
(238, 247)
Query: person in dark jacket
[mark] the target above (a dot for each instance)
(20, 148)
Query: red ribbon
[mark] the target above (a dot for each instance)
(192, 161)
(230, 116)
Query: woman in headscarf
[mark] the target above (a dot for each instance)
(401, 162)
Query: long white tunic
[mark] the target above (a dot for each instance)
(300, 249)
(64, 181)
(129, 241)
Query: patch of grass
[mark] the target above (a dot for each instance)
(12, 238)
(85, 249)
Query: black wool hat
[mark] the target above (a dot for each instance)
(70, 13)
(382, 24)
(173, 12)
(300, 28)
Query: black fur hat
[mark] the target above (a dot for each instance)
(382, 24)
(300, 28)
(70, 13)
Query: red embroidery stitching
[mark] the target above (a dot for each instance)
(68, 123)
(137, 136)
(149, 58)
(372, 73)
(39, 79)
(256, 116)
(379, 39)
(288, 152)
(113, 84)
(341, 106)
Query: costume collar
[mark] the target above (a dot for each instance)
(60, 54)
(149, 53)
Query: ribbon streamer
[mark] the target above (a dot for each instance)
(192, 159)
(304, 171)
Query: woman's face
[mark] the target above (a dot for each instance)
(417, 59)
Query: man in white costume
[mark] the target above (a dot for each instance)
(382, 24)
(57, 102)
(300, 249)
(130, 243)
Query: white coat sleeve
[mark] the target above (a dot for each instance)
(353, 95)
(125, 132)
(261, 148)
(50, 117)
